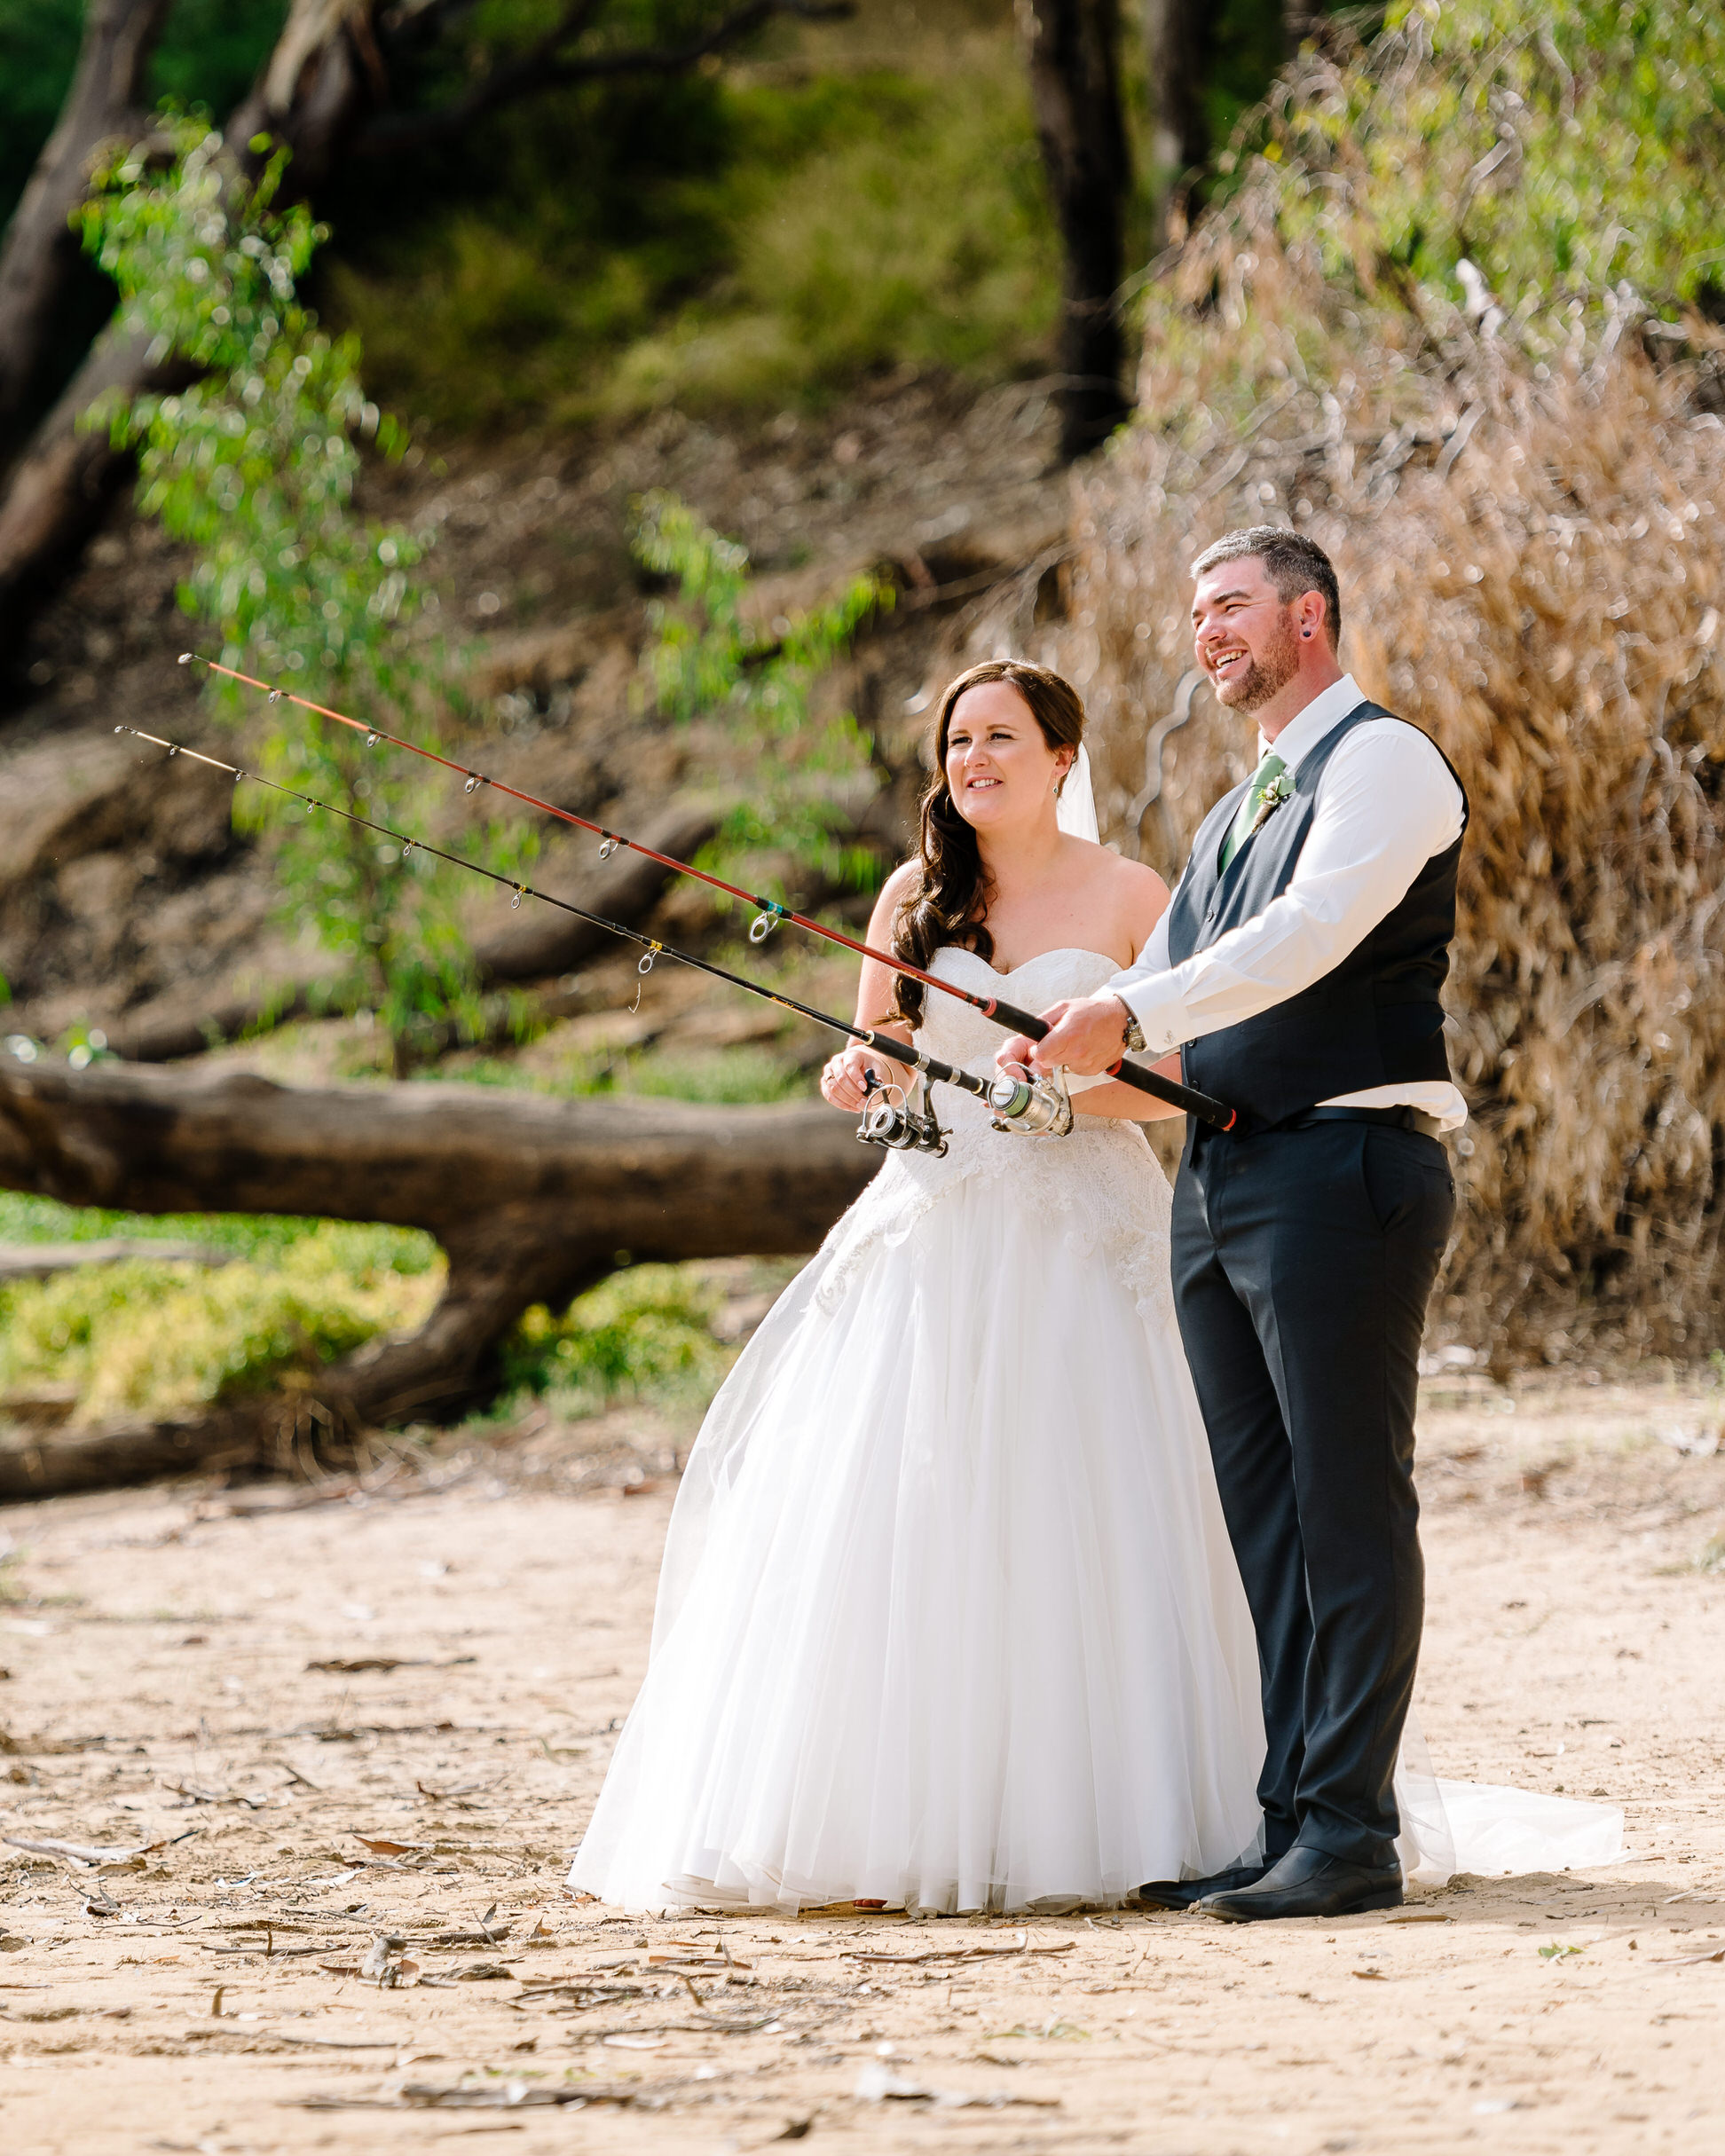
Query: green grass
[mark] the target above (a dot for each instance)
(148, 1336)
(809, 231)
(729, 1077)
(260, 1236)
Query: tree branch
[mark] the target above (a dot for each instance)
(539, 68)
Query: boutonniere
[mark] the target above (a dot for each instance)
(1280, 789)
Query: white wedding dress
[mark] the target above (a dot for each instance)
(949, 1617)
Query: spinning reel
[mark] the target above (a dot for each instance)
(889, 1120)
(1033, 1108)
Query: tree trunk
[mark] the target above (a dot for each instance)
(320, 84)
(1075, 96)
(1177, 36)
(64, 482)
(318, 88)
(532, 1199)
(40, 252)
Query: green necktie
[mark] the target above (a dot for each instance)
(1263, 779)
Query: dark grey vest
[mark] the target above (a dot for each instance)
(1375, 1019)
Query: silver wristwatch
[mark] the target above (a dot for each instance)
(1133, 1039)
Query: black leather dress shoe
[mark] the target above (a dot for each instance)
(1181, 1893)
(1308, 1882)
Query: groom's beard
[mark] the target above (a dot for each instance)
(1263, 677)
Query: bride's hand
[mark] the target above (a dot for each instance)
(844, 1077)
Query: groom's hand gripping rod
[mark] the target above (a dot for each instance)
(1207, 1109)
(905, 1053)
(1185, 1098)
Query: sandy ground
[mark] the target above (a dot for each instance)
(176, 1678)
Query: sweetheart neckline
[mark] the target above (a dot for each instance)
(1059, 950)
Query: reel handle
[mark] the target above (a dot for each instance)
(1218, 1114)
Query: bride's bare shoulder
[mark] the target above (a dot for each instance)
(901, 886)
(1135, 888)
(1135, 896)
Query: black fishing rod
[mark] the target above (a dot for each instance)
(1035, 1107)
(1185, 1098)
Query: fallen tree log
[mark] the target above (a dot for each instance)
(532, 1200)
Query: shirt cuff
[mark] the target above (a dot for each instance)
(1160, 1008)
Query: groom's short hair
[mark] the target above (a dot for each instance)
(1294, 563)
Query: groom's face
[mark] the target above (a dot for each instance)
(1244, 633)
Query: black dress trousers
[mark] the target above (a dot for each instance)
(1303, 1260)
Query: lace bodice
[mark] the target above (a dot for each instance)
(1102, 1180)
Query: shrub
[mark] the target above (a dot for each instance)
(1531, 538)
(144, 1337)
(648, 1327)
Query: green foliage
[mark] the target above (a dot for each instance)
(711, 656)
(649, 1327)
(1573, 153)
(732, 241)
(149, 1337)
(261, 1238)
(255, 466)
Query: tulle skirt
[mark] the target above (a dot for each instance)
(948, 1619)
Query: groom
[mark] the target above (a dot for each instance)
(1298, 970)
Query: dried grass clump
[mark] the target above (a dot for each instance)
(1451, 321)
(1533, 571)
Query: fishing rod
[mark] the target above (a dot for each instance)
(1037, 1108)
(1185, 1098)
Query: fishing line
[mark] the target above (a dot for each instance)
(888, 1123)
(1185, 1098)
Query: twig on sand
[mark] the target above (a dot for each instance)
(1021, 1945)
(513, 2095)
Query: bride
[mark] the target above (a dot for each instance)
(948, 1619)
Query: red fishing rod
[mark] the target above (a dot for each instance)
(1185, 1098)
(1035, 1108)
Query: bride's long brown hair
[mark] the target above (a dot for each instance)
(950, 901)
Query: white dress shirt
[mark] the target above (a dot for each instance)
(1386, 805)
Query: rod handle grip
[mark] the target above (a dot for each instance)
(1208, 1110)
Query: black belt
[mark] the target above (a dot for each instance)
(1399, 1119)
